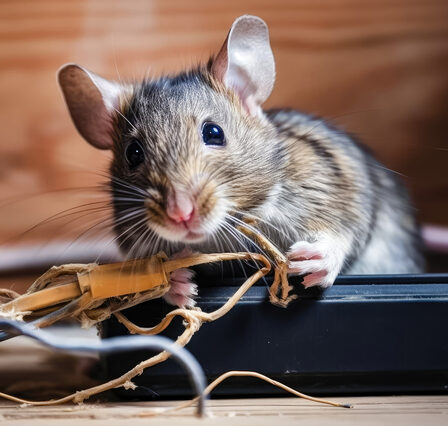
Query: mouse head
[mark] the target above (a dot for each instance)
(191, 152)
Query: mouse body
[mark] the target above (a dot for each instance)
(194, 155)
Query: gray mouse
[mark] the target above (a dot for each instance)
(194, 154)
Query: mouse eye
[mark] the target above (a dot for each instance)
(134, 154)
(212, 134)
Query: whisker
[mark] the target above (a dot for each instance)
(233, 249)
(27, 197)
(63, 215)
(277, 228)
(120, 113)
(252, 263)
(251, 228)
(97, 226)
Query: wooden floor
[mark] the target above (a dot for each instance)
(396, 410)
(376, 69)
(31, 371)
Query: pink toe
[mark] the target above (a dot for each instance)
(182, 288)
(304, 254)
(182, 275)
(179, 300)
(314, 279)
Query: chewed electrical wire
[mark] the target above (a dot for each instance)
(114, 345)
(92, 293)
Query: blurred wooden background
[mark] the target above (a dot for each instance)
(377, 69)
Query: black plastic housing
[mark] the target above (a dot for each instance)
(364, 335)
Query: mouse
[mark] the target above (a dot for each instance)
(195, 154)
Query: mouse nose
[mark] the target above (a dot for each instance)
(180, 207)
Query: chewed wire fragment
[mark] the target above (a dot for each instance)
(113, 345)
(92, 293)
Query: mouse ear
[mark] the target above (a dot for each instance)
(92, 102)
(245, 62)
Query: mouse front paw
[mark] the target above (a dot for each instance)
(182, 289)
(319, 262)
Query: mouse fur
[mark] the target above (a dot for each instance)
(316, 192)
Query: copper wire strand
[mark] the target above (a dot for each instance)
(229, 374)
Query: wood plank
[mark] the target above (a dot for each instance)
(390, 410)
(378, 69)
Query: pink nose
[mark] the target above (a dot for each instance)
(179, 207)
